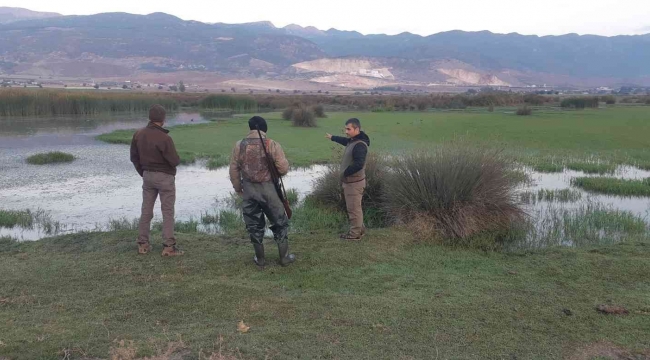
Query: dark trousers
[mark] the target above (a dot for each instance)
(261, 199)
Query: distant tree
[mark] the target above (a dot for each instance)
(65, 86)
(223, 90)
(250, 92)
(296, 91)
(84, 84)
(40, 86)
(125, 87)
(173, 88)
(181, 86)
(327, 92)
(277, 91)
(96, 86)
(160, 87)
(320, 91)
(233, 89)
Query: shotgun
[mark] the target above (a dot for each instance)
(275, 177)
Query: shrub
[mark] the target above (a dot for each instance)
(609, 99)
(580, 102)
(319, 111)
(231, 102)
(303, 117)
(456, 191)
(534, 99)
(50, 158)
(328, 191)
(287, 114)
(524, 111)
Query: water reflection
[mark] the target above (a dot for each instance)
(78, 130)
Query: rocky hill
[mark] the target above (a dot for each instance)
(120, 44)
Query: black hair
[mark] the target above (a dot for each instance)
(355, 123)
(257, 122)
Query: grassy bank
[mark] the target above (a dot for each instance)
(535, 139)
(50, 158)
(83, 295)
(613, 186)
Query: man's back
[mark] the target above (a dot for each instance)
(152, 149)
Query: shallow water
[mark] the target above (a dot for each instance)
(639, 206)
(101, 184)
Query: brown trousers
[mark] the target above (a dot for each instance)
(154, 184)
(353, 193)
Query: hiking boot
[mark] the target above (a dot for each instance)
(171, 251)
(144, 249)
(259, 256)
(286, 259)
(350, 237)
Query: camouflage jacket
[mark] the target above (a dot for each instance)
(248, 162)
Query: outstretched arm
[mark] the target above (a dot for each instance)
(338, 139)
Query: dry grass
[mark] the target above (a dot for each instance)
(455, 191)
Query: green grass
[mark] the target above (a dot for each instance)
(123, 224)
(386, 298)
(613, 186)
(586, 225)
(557, 134)
(592, 168)
(548, 167)
(13, 218)
(218, 161)
(54, 157)
(562, 196)
(19, 102)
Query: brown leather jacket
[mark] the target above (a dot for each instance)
(153, 150)
(248, 162)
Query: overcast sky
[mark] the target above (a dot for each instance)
(546, 17)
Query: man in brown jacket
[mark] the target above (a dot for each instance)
(154, 156)
(251, 179)
(353, 175)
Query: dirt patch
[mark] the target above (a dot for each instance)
(606, 350)
(612, 309)
(126, 350)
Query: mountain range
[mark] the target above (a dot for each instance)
(121, 45)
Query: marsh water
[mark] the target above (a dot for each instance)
(101, 184)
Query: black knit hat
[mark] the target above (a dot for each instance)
(257, 122)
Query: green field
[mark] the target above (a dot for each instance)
(617, 135)
(386, 298)
(89, 295)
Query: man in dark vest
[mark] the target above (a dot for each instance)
(353, 175)
(154, 156)
(251, 179)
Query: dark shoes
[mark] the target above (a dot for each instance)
(286, 259)
(350, 237)
(259, 256)
(172, 251)
(144, 249)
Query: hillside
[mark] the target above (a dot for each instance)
(123, 45)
